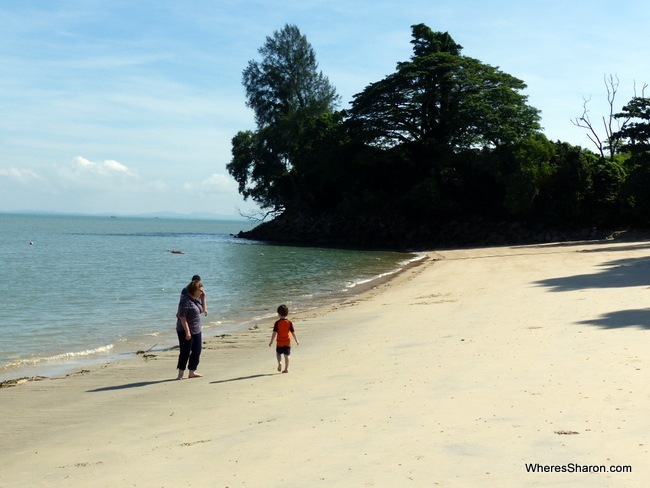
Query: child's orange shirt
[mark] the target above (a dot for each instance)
(283, 327)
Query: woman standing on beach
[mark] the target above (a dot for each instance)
(204, 303)
(188, 328)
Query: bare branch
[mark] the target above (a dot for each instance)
(612, 88)
(585, 123)
(260, 216)
(645, 85)
(612, 125)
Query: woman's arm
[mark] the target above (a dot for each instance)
(186, 327)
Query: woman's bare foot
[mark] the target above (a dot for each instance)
(180, 374)
(279, 367)
(194, 374)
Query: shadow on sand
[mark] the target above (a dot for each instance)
(619, 273)
(139, 384)
(598, 246)
(242, 378)
(639, 318)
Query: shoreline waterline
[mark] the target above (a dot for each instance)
(71, 363)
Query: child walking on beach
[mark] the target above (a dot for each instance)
(281, 329)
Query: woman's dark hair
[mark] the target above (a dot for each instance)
(193, 286)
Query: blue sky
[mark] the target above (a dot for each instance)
(129, 107)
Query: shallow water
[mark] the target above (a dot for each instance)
(80, 289)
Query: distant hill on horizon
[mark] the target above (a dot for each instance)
(162, 215)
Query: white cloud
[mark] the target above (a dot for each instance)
(21, 175)
(109, 167)
(215, 183)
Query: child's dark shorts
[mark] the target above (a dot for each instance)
(286, 350)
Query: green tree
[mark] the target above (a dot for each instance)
(260, 175)
(454, 132)
(636, 133)
(285, 90)
(443, 100)
(527, 170)
(637, 142)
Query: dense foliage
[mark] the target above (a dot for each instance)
(444, 143)
(286, 91)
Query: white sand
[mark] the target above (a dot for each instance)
(458, 372)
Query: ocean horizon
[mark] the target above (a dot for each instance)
(80, 290)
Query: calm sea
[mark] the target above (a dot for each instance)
(78, 290)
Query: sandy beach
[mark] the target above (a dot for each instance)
(471, 369)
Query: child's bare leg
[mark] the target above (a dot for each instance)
(286, 364)
(279, 357)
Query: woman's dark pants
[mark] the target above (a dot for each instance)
(189, 350)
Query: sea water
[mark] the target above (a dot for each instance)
(78, 290)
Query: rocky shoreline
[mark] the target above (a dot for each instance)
(375, 234)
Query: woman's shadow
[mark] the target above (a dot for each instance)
(140, 384)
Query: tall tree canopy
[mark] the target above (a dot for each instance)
(286, 82)
(443, 99)
(285, 90)
(636, 141)
(637, 132)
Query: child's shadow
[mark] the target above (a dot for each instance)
(242, 378)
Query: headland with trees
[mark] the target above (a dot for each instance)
(445, 151)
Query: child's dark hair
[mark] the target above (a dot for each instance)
(283, 310)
